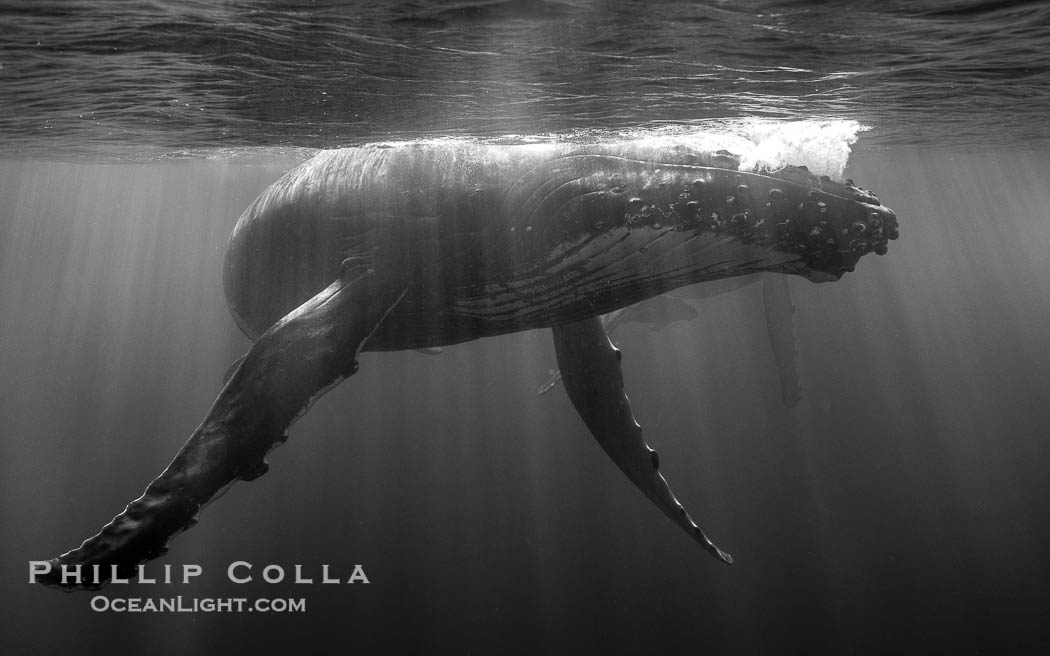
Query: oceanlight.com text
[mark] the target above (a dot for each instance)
(181, 604)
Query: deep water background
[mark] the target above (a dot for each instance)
(900, 508)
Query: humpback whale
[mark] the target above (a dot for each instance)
(422, 245)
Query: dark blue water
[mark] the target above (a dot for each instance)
(899, 508)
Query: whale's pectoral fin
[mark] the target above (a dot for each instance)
(610, 322)
(300, 357)
(780, 324)
(232, 369)
(590, 368)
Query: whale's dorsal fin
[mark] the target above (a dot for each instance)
(590, 368)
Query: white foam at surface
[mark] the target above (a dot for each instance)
(821, 146)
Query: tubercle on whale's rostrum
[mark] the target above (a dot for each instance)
(292, 364)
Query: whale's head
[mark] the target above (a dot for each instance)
(697, 216)
(831, 225)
